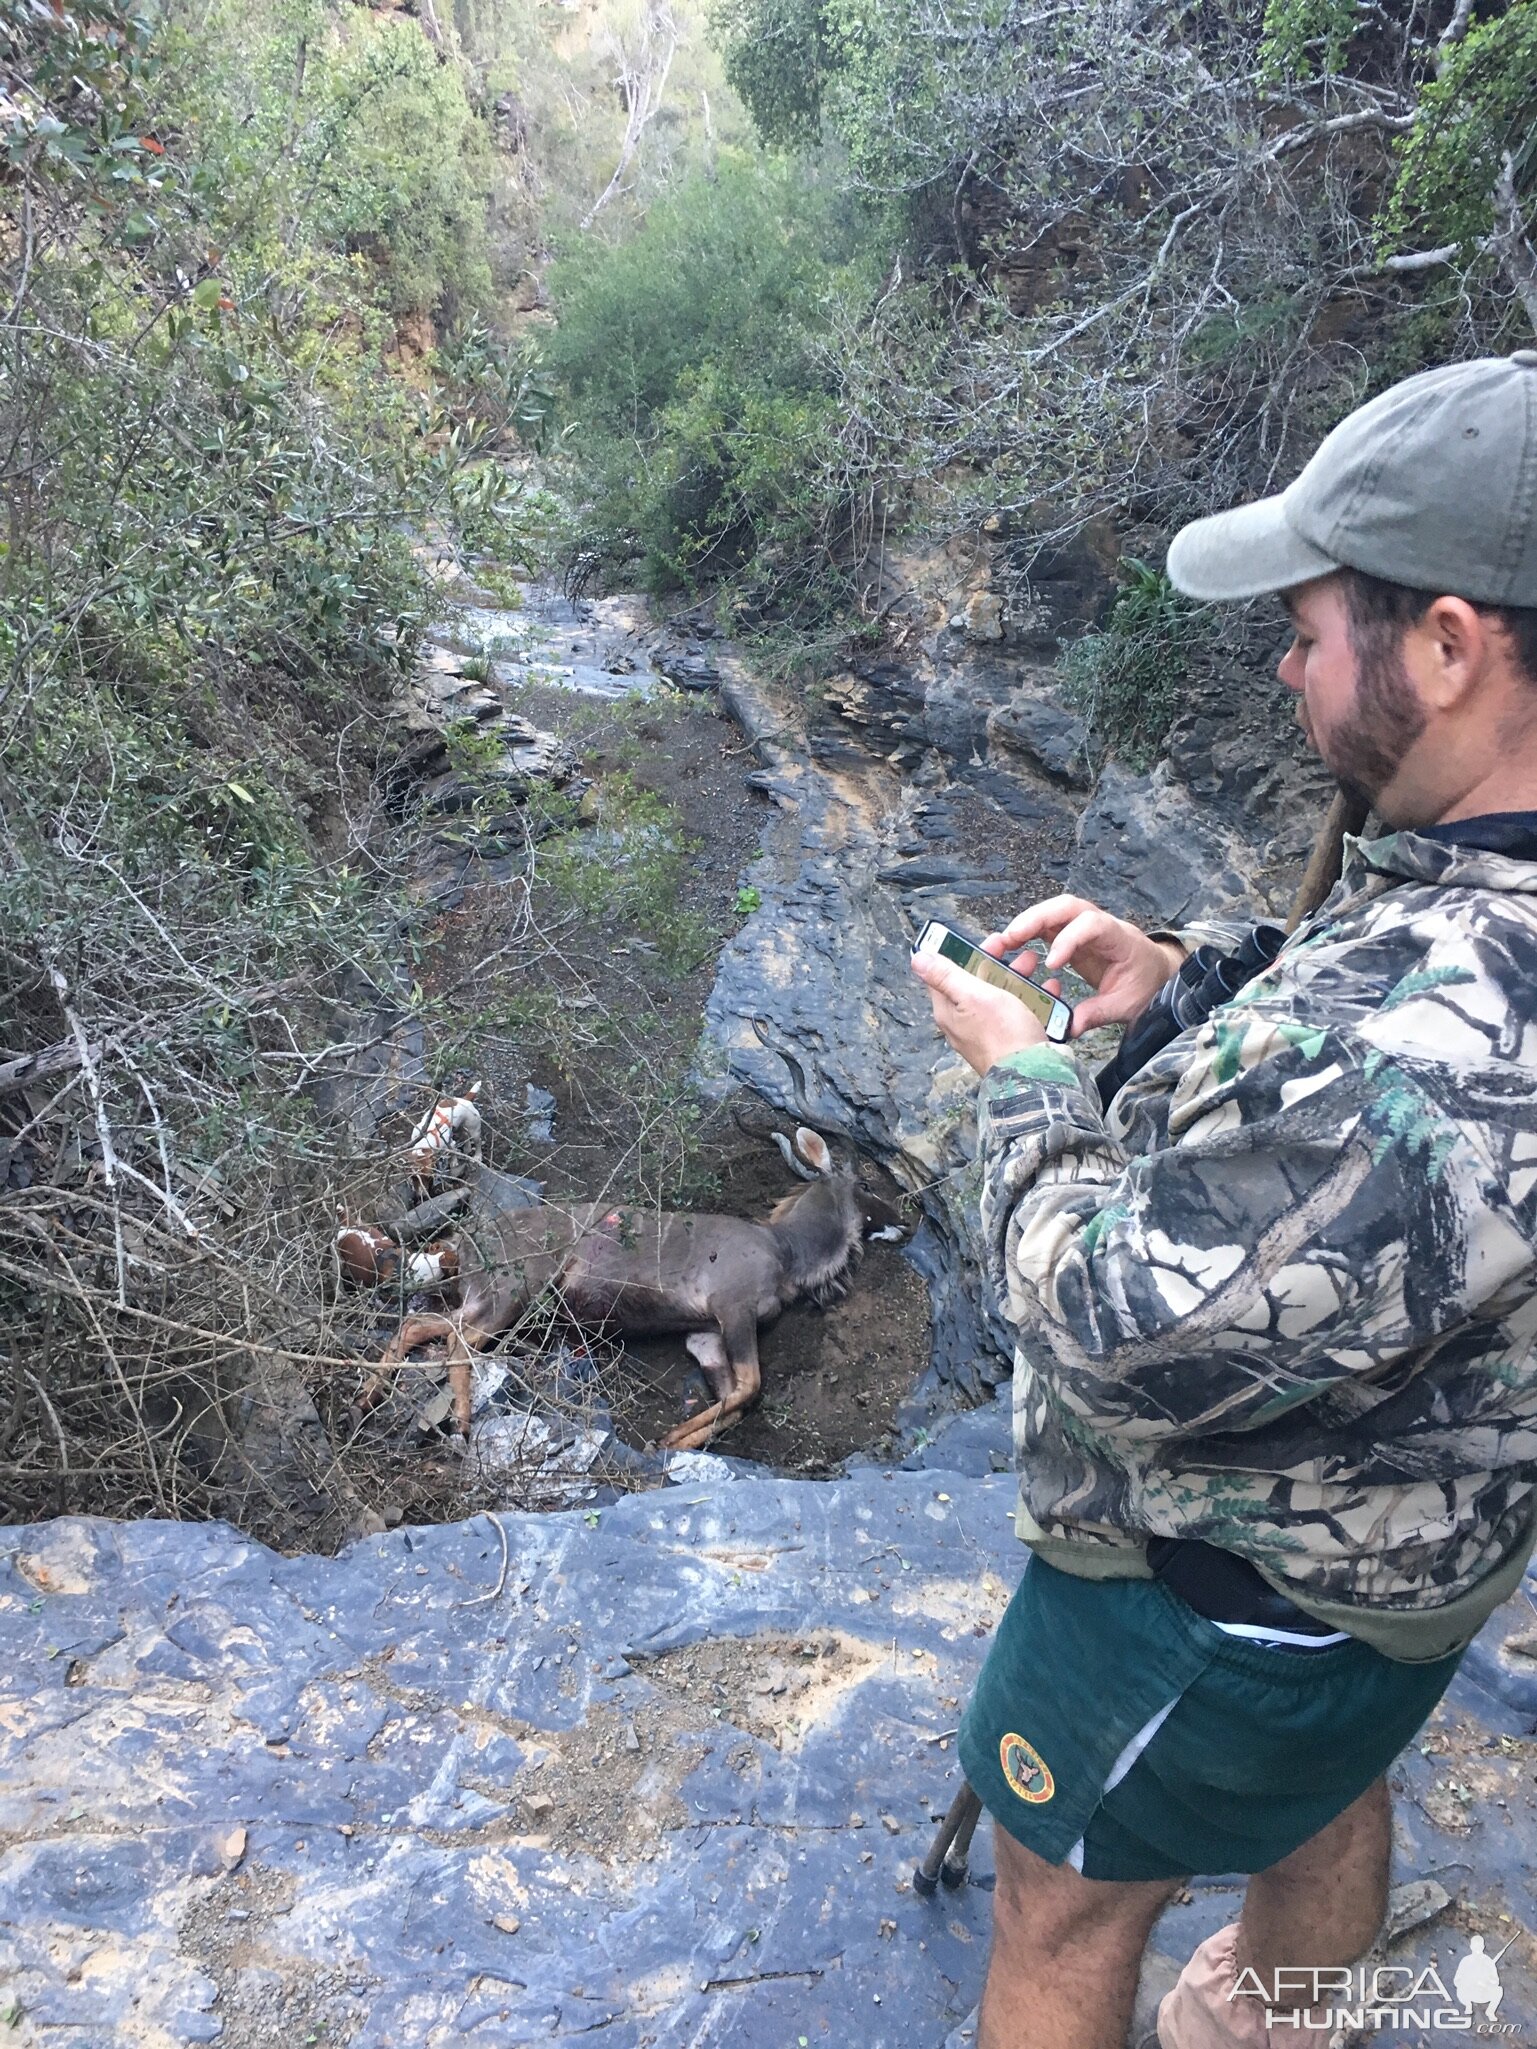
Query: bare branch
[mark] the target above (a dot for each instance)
(1456, 29)
(1511, 243)
(642, 82)
(27, 1068)
(1423, 259)
(109, 1160)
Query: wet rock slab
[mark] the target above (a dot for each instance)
(657, 1775)
(667, 1783)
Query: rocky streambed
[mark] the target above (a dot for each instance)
(654, 1770)
(944, 777)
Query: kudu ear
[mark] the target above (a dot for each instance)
(813, 1149)
(790, 1160)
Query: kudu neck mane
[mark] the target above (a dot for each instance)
(818, 1228)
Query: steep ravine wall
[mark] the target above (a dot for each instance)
(944, 776)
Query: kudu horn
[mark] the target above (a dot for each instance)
(798, 1095)
(1347, 814)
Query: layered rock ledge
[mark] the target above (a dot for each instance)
(654, 1776)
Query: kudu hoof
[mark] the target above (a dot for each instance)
(697, 1394)
(692, 1436)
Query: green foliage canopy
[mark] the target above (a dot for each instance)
(778, 57)
(692, 361)
(1476, 131)
(343, 135)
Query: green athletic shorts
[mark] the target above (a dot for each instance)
(1116, 1730)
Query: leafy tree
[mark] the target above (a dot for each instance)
(600, 112)
(691, 361)
(1150, 252)
(1467, 165)
(778, 55)
(337, 137)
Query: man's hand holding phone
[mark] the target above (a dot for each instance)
(985, 1023)
(1125, 968)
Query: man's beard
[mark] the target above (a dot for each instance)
(1364, 751)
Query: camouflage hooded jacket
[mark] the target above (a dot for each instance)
(1283, 1296)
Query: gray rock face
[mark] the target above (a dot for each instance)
(959, 695)
(656, 1777)
(1049, 737)
(858, 856)
(1146, 852)
(662, 1773)
(824, 967)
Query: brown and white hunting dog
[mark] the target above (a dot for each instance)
(453, 1123)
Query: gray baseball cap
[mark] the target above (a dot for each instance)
(1433, 484)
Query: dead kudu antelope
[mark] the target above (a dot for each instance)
(714, 1278)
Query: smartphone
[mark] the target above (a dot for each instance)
(949, 944)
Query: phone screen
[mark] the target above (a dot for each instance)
(949, 944)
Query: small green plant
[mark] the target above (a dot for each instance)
(476, 668)
(630, 868)
(472, 749)
(748, 900)
(1126, 679)
(505, 585)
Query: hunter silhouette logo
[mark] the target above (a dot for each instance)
(1026, 1770)
(1476, 1980)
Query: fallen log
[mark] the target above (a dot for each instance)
(27, 1068)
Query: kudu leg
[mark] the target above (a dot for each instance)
(948, 1853)
(422, 1330)
(708, 1348)
(736, 1352)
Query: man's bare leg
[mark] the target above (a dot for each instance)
(1324, 1904)
(1066, 1949)
(1318, 1908)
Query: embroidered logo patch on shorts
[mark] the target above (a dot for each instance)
(1026, 1770)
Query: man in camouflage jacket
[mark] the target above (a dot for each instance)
(1281, 1297)
(1275, 1391)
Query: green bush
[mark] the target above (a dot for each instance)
(1128, 679)
(335, 135)
(692, 361)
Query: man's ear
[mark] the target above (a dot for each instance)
(1447, 652)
